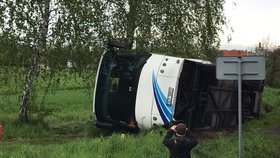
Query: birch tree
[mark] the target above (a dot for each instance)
(53, 32)
(182, 27)
(40, 47)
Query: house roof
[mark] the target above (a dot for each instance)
(235, 53)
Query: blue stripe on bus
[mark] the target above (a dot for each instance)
(161, 101)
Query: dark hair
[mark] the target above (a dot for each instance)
(181, 129)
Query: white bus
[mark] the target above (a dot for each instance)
(140, 90)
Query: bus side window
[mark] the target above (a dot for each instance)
(114, 87)
(114, 84)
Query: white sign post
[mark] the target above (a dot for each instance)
(240, 68)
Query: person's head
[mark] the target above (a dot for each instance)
(181, 130)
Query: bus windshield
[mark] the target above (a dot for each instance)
(117, 86)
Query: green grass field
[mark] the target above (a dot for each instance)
(67, 130)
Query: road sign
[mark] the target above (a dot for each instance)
(240, 68)
(252, 68)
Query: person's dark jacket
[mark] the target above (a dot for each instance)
(179, 147)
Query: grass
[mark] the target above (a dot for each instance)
(101, 147)
(68, 111)
(67, 130)
(255, 144)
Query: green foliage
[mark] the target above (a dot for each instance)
(270, 110)
(273, 68)
(211, 55)
(77, 30)
(182, 28)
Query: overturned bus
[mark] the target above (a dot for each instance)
(141, 90)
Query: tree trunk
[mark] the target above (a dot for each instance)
(23, 113)
(131, 21)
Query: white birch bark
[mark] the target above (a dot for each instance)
(41, 44)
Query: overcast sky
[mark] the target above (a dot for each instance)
(252, 21)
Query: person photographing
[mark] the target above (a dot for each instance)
(181, 144)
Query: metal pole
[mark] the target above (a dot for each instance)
(239, 108)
